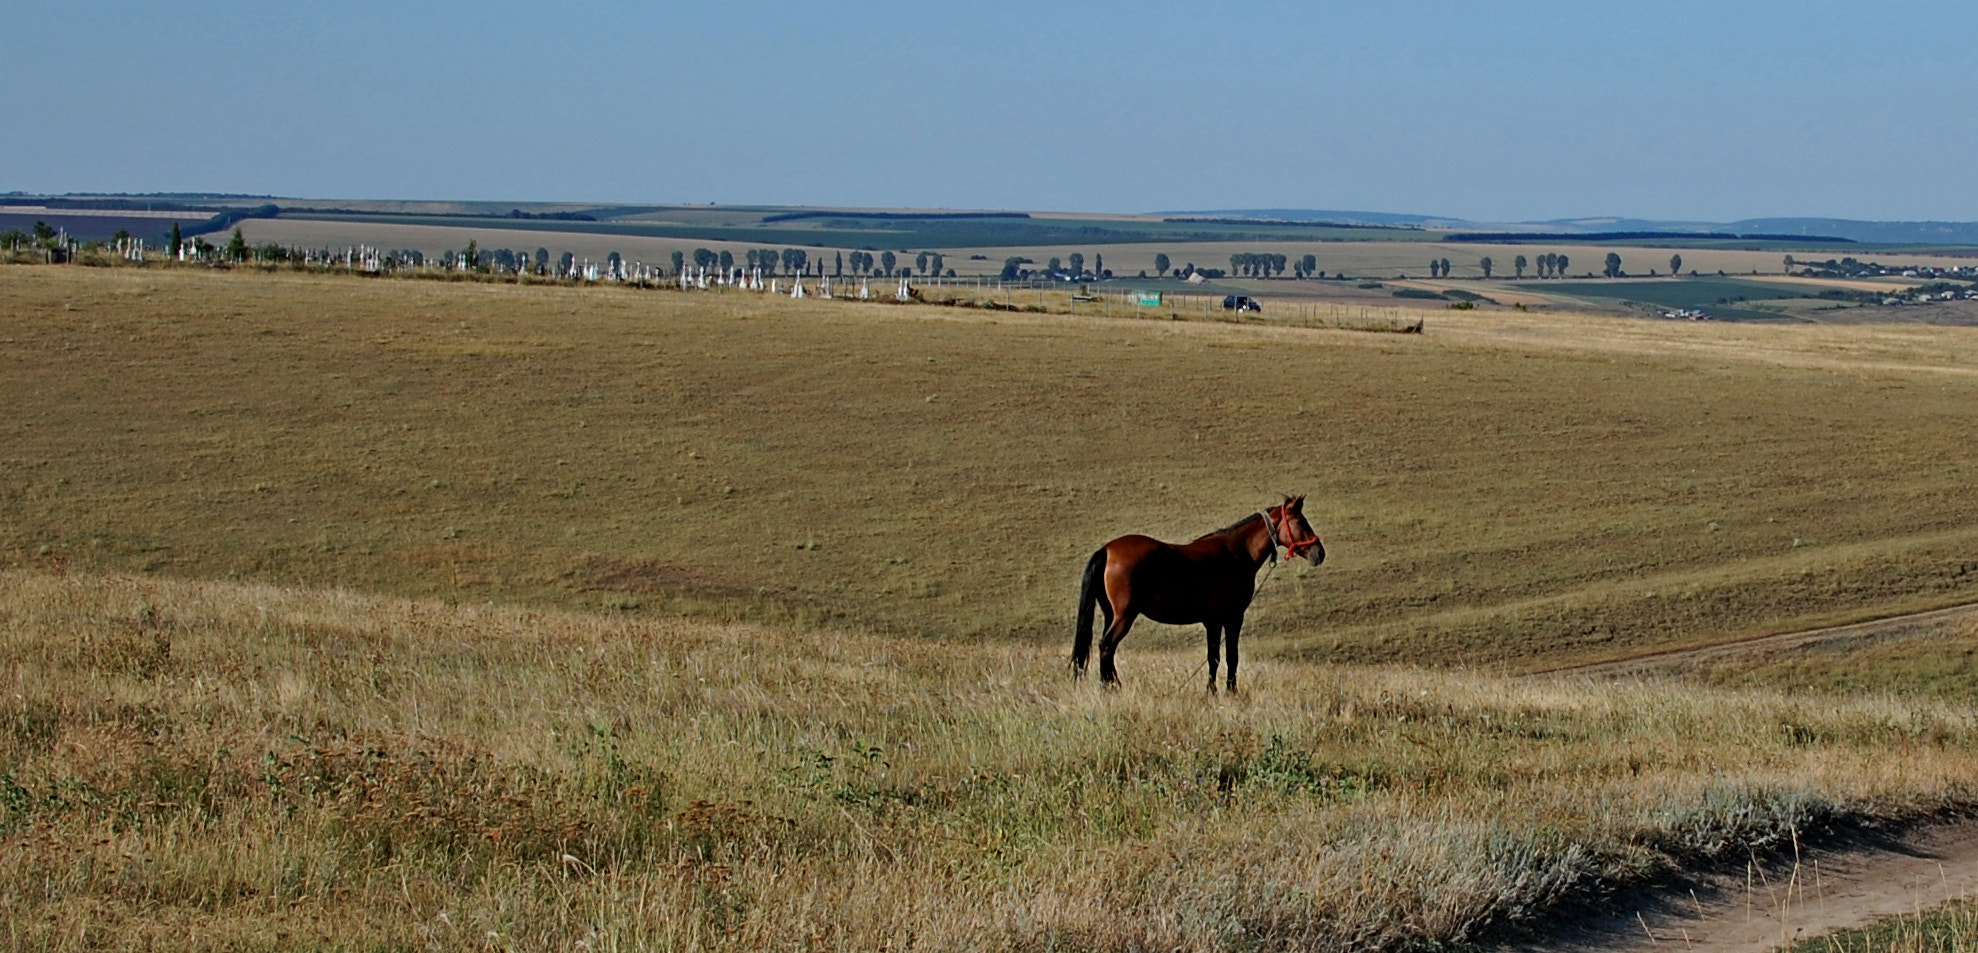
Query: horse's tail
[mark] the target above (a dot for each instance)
(1089, 594)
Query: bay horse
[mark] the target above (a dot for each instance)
(1209, 581)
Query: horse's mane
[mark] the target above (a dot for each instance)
(1239, 524)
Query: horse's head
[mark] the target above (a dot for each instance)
(1297, 536)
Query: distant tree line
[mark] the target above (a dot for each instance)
(1548, 265)
(1534, 238)
(889, 216)
(1257, 264)
(551, 216)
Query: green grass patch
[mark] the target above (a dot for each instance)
(1718, 296)
(1947, 929)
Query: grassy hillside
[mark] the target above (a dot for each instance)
(1505, 489)
(215, 765)
(1933, 660)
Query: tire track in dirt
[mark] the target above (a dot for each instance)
(1912, 625)
(1811, 894)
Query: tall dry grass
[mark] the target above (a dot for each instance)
(213, 765)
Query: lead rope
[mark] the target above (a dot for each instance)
(1270, 529)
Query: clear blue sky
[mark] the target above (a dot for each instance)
(1490, 111)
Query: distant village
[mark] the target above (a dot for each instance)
(1855, 268)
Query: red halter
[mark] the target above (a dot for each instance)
(1294, 547)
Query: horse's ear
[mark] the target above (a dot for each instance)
(1297, 505)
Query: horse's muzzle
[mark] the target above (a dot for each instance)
(1314, 554)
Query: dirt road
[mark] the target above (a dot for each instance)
(1765, 907)
(1815, 893)
(1877, 630)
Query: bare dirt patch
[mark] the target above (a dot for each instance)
(1776, 902)
(1958, 313)
(601, 573)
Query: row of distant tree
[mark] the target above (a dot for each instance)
(1550, 265)
(1246, 264)
(798, 262)
(1070, 268)
(44, 236)
(768, 261)
(1268, 264)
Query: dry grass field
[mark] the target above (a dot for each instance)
(208, 765)
(1504, 490)
(361, 613)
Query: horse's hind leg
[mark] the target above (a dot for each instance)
(1115, 633)
(1215, 649)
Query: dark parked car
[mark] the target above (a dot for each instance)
(1241, 303)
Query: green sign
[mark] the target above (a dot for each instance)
(1150, 299)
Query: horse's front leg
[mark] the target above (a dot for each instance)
(1215, 651)
(1235, 631)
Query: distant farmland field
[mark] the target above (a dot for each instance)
(97, 226)
(904, 230)
(1718, 296)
